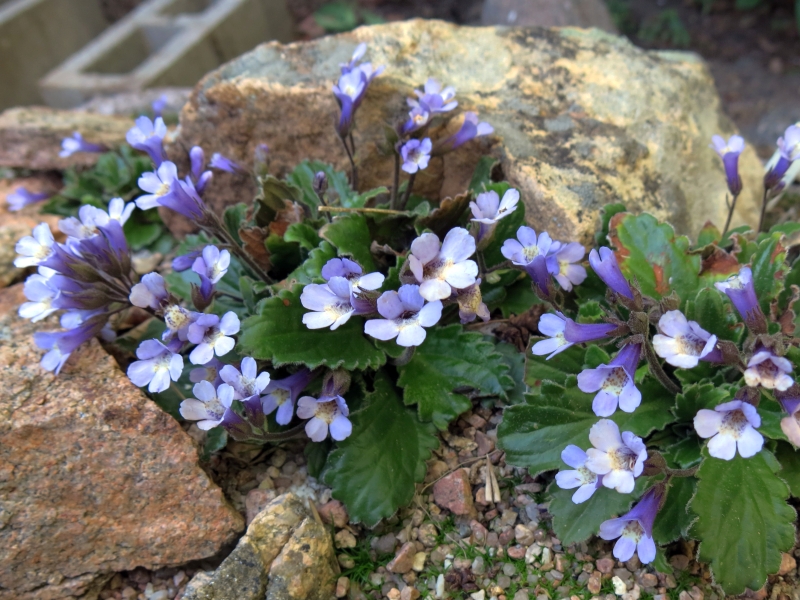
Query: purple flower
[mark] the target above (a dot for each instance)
(281, 394)
(434, 98)
(21, 197)
(730, 426)
(60, 344)
(218, 161)
(405, 315)
(470, 129)
(330, 304)
(213, 263)
(185, 201)
(741, 292)
(563, 332)
(197, 159)
(526, 247)
(790, 400)
(729, 153)
(329, 412)
(619, 459)
(91, 218)
(358, 54)
(148, 136)
(561, 264)
(159, 184)
(582, 478)
(41, 292)
(614, 383)
(471, 305)
(684, 343)
(178, 320)
(769, 371)
(488, 209)
(442, 269)
(634, 529)
(150, 292)
(157, 364)
(208, 372)
(76, 143)
(788, 152)
(36, 248)
(349, 92)
(418, 117)
(185, 261)
(605, 265)
(416, 155)
(209, 405)
(159, 104)
(247, 382)
(352, 271)
(212, 336)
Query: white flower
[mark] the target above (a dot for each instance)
(246, 383)
(329, 302)
(209, 406)
(768, 371)
(489, 209)
(41, 292)
(682, 343)
(439, 270)
(730, 426)
(582, 478)
(36, 248)
(619, 459)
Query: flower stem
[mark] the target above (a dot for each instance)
(407, 195)
(730, 215)
(353, 169)
(377, 211)
(657, 370)
(396, 184)
(763, 211)
(217, 228)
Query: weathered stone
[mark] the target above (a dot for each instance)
(334, 513)
(30, 137)
(403, 560)
(605, 565)
(286, 554)
(94, 477)
(454, 493)
(256, 500)
(548, 13)
(581, 119)
(788, 564)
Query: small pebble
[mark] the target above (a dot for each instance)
(342, 587)
(619, 586)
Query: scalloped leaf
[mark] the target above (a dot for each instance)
(673, 519)
(350, 234)
(373, 472)
(276, 333)
(744, 522)
(451, 359)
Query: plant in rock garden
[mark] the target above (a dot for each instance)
(364, 321)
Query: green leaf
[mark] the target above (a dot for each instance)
(140, 235)
(337, 16)
(304, 234)
(673, 519)
(373, 472)
(515, 361)
(362, 199)
(709, 234)
(575, 523)
(658, 259)
(687, 452)
(596, 356)
(316, 454)
(482, 175)
(789, 458)
(271, 197)
(698, 396)
(234, 217)
(590, 312)
(277, 334)
(769, 268)
(519, 298)
(451, 360)
(534, 434)
(310, 271)
(216, 440)
(284, 256)
(557, 369)
(714, 315)
(771, 414)
(606, 213)
(744, 522)
(350, 234)
(303, 178)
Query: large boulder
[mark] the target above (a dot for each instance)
(94, 477)
(582, 118)
(286, 554)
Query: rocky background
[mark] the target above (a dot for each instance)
(104, 495)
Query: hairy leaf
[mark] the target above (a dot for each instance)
(451, 360)
(789, 458)
(374, 470)
(697, 396)
(516, 364)
(651, 253)
(557, 369)
(673, 519)
(350, 234)
(769, 268)
(744, 522)
(277, 334)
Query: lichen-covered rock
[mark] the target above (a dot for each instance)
(286, 554)
(582, 118)
(94, 477)
(30, 137)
